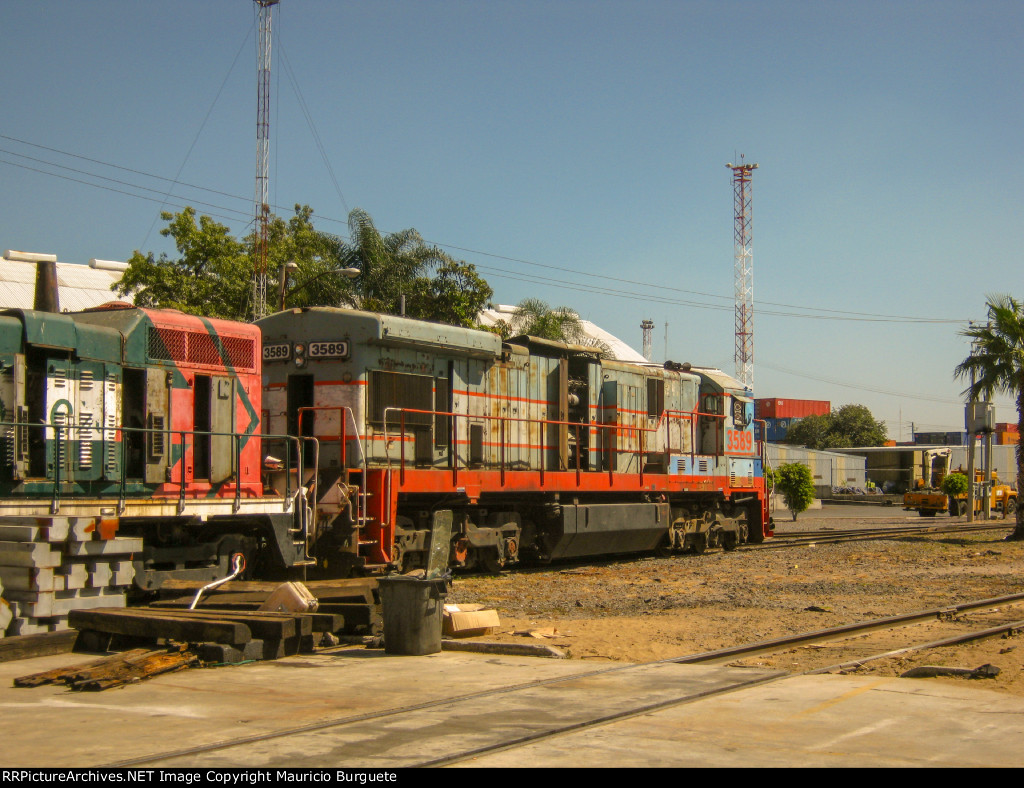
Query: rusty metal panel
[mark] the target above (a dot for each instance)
(158, 417)
(222, 420)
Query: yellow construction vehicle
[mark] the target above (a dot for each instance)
(928, 499)
(1003, 498)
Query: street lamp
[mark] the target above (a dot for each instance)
(348, 273)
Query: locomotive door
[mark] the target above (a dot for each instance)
(17, 414)
(711, 424)
(609, 415)
(213, 412)
(59, 414)
(88, 432)
(301, 395)
(145, 417)
(222, 443)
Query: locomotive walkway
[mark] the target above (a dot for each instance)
(362, 708)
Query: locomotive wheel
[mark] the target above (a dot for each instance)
(491, 561)
(699, 544)
(1011, 506)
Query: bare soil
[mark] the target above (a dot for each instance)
(637, 609)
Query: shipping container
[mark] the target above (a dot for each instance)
(940, 438)
(776, 429)
(776, 408)
(1006, 426)
(1007, 438)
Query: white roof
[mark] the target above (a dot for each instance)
(619, 349)
(80, 286)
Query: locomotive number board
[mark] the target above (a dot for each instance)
(280, 351)
(337, 348)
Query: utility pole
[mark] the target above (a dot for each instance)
(265, 9)
(744, 263)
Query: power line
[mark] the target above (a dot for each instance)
(805, 312)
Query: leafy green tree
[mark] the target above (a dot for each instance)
(212, 276)
(997, 364)
(455, 294)
(214, 272)
(850, 425)
(796, 485)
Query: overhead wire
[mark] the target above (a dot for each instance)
(806, 312)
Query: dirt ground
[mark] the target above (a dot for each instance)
(648, 608)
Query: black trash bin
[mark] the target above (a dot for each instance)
(412, 608)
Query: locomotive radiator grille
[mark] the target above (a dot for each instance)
(196, 347)
(85, 439)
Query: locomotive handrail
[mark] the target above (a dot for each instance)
(617, 428)
(666, 418)
(65, 433)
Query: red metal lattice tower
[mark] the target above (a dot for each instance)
(742, 240)
(262, 199)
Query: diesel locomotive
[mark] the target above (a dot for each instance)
(144, 423)
(329, 441)
(408, 434)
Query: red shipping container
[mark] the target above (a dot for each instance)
(1006, 427)
(778, 408)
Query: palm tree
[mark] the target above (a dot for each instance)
(561, 324)
(997, 364)
(389, 264)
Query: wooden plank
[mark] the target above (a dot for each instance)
(57, 675)
(273, 626)
(113, 671)
(354, 589)
(124, 622)
(41, 645)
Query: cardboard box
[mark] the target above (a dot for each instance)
(463, 621)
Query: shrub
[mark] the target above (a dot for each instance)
(795, 483)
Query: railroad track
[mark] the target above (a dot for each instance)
(867, 534)
(546, 706)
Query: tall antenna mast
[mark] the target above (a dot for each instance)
(262, 200)
(648, 328)
(741, 176)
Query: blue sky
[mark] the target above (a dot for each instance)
(574, 151)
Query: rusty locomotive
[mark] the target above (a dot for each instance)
(526, 449)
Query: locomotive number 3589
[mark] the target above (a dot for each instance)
(739, 442)
(330, 349)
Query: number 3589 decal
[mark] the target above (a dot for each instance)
(739, 442)
(329, 349)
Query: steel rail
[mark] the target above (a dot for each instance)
(890, 621)
(834, 537)
(843, 630)
(769, 679)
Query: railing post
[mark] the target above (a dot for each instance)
(577, 455)
(181, 490)
(236, 439)
(455, 450)
(401, 446)
(543, 450)
(502, 439)
(643, 455)
(55, 500)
